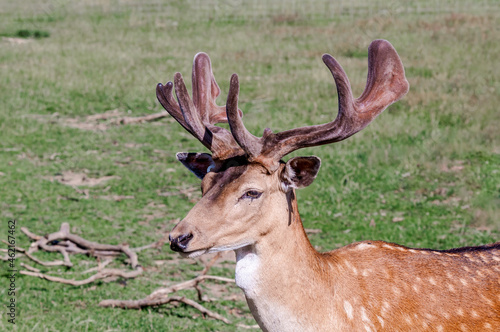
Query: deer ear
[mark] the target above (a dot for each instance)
(198, 163)
(299, 172)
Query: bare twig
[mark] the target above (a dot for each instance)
(7, 250)
(312, 230)
(105, 273)
(210, 263)
(157, 244)
(199, 292)
(104, 116)
(36, 260)
(141, 119)
(30, 268)
(161, 296)
(148, 246)
(64, 242)
(248, 327)
(30, 235)
(200, 308)
(78, 244)
(186, 284)
(99, 267)
(62, 250)
(138, 304)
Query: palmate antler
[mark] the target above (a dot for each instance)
(386, 83)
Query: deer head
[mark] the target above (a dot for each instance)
(246, 186)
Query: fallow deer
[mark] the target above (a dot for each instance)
(249, 205)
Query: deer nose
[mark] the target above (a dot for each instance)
(180, 243)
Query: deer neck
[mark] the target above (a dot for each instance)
(272, 274)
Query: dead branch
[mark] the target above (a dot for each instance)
(36, 260)
(161, 296)
(210, 263)
(140, 119)
(200, 308)
(30, 235)
(158, 244)
(77, 244)
(67, 261)
(148, 303)
(105, 273)
(30, 268)
(312, 230)
(248, 327)
(186, 284)
(104, 116)
(64, 242)
(100, 266)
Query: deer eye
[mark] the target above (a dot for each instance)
(251, 194)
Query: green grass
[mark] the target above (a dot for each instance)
(431, 161)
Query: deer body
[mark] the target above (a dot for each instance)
(249, 205)
(373, 286)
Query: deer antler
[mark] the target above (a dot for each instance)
(199, 116)
(386, 83)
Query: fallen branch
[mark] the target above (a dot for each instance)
(30, 268)
(187, 284)
(64, 242)
(105, 273)
(161, 296)
(30, 235)
(138, 304)
(104, 116)
(140, 119)
(248, 327)
(68, 242)
(36, 260)
(158, 244)
(100, 266)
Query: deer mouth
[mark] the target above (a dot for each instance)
(193, 253)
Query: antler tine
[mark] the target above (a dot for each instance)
(164, 95)
(250, 143)
(206, 90)
(189, 111)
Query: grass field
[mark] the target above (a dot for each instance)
(426, 173)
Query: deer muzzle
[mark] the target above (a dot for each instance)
(179, 243)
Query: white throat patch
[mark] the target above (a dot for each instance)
(247, 270)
